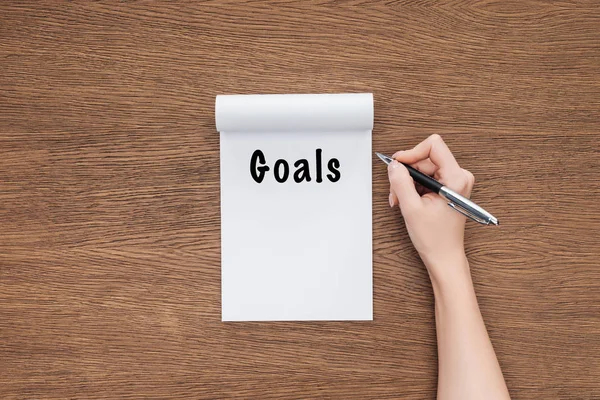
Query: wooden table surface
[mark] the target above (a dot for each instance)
(109, 193)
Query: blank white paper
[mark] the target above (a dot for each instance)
(296, 251)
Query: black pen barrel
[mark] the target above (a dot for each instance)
(424, 180)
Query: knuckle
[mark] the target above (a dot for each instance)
(470, 176)
(461, 181)
(436, 138)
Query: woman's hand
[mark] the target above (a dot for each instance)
(468, 368)
(436, 230)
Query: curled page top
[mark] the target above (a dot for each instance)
(294, 112)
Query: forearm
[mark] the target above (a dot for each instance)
(468, 368)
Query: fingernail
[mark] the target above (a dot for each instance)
(394, 164)
(398, 153)
(391, 200)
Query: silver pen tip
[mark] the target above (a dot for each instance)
(384, 158)
(494, 221)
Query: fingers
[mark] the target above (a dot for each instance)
(461, 182)
(433, 157)
(393, 198)
(403, 187)
(426, 167)
(469, 183)
(433, 148)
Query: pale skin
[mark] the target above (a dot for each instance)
(467, 364)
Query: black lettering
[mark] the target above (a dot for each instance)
(333, 166)
(303, 171)
(258, 173)
(286, 170)
(319, 172)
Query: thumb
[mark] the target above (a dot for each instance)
(403, 186)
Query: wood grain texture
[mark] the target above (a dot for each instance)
(109, 193)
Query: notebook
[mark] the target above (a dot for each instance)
(296, 225)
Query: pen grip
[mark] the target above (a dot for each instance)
(424, 180)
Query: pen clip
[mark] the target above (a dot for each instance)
(466, 213)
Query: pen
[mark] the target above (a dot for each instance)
(455, 200)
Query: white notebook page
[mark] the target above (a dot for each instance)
(296, 249)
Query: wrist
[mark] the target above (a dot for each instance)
(450, 276)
